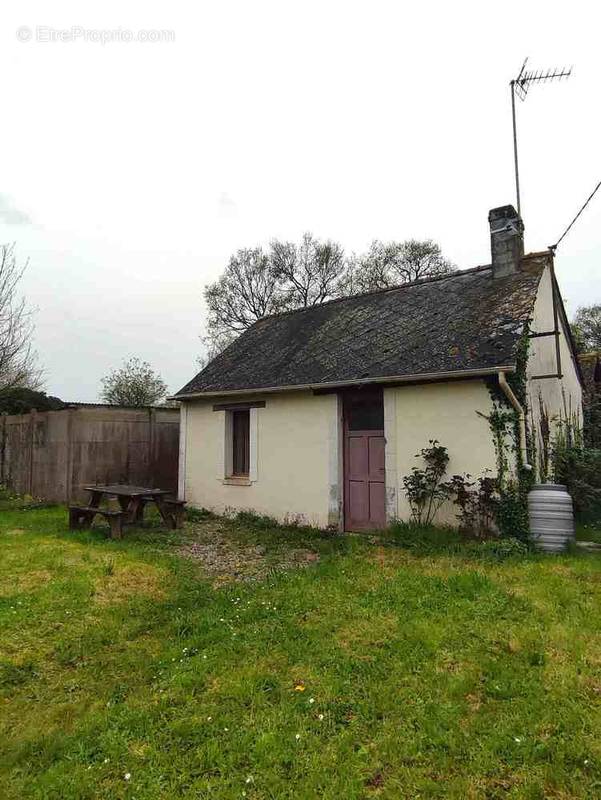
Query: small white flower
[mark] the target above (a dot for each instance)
(249, 779)
(320, 717)
(106, 761)
(127, 776)
(311, 700)
(517, 739)
(226, 729)
(297, 736)
(209, 719)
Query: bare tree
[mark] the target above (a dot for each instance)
(247, 291)
(393, 263)
(18, 361)
(308, 273)
(134, 384)
(256, 284)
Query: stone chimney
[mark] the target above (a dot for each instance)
(506, 240)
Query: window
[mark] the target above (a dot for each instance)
(240, 443)
(238, 464)
(364, 410)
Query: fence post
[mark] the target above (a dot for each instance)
(3, 451)
(69, 456)
(32, 421)
(151, 447)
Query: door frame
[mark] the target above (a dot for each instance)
(378, 393)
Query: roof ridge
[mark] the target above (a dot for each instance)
(449, 323)
(408, 285)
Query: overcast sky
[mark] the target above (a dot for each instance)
(132, 170)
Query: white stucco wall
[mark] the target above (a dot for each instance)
(299, 449)
(542, 360)
(445, 411)
(297, 458)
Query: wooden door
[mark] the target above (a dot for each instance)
(364, 470)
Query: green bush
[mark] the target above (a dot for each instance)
(511, 513)
(577, 467)
(21, 400)
(423, 487)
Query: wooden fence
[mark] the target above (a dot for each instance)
(54, 454)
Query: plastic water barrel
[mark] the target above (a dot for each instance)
(551, 517)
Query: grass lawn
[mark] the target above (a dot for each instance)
(377, 671)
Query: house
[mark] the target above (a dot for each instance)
(316, 415)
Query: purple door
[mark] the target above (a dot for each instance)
(364, 473)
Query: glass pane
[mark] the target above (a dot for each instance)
(365, 413)
(241, 442)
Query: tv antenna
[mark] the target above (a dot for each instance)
(519, 86)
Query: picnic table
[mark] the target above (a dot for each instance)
(132, 501)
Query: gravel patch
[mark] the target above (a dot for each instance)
(227, 559)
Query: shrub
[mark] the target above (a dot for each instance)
(577, 467)
(21, 400)
(423, 487)
(511, 513)
(477, 501)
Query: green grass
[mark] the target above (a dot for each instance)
(380, 671)
(589, 530)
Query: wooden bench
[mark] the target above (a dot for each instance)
(175, 509)
(178, 509)
(82, 517)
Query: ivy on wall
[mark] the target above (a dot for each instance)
(504, 422)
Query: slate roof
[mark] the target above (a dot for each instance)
(465, 321)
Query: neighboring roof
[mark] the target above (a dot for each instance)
(69, 404)
(465, 321)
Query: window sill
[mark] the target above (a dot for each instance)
(233, 481)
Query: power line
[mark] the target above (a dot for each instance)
(565, 233)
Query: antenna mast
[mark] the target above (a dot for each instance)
(519, 86)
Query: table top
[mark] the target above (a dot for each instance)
(124, 490)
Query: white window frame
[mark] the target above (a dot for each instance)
(226, 465)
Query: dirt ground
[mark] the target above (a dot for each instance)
(228, 556)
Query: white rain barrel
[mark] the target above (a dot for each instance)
(551, 517)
